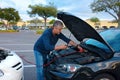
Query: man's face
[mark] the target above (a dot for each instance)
(57, 30)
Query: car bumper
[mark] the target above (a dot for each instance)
(11, 68)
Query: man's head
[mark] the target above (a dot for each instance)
(57, 27)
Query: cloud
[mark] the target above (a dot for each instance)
(21, 6)
(67, 8)
(80, 8)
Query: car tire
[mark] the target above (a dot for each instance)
(104, 76)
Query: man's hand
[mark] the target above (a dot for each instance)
(80, 49)
(72, 43)
(60, 47)
(76, 45)
(63, 46)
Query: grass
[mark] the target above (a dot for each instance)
(9, 30)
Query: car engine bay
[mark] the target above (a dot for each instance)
(72, 55)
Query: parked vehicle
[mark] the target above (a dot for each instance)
(104, 27)
(2, 28)
(112, 27)
(11, 66)
(99, 61)
(25, 28)
(15, 27)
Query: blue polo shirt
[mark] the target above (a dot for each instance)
(47, 41)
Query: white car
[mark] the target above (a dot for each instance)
(1, 28)
(11, 65)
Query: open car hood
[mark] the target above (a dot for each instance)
(80, 29)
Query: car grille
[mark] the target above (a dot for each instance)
(17, 66)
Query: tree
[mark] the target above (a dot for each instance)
(52, 21)
(95, 20)
(36, 20)
(9, 14)
(1, 23)
(43, 11)
(112, 7)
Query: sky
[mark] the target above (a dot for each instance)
(79, 8)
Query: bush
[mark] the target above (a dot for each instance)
(9, 30)
(39, 31)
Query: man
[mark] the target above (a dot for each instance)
(46, 43)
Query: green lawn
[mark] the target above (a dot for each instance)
(9, 30)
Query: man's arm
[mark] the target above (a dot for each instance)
(60, 47)
(64, 38)
(50, 47)
(73, 43)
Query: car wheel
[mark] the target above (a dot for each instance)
(104, 76)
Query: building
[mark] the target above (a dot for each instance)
(102, 24)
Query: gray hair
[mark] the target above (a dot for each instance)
(58, 23)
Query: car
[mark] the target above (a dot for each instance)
(25, 28)
(100, 59)
(112, 27)
(11, 65)
(2, 28)
(104, 27)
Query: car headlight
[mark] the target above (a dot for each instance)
(68, 68)
(1, 73)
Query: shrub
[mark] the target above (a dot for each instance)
(9, 30)
(39, 31)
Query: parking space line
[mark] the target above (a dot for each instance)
(16, 44)
(23, 51)
(26, 66)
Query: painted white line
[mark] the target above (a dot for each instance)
(16, 44)
(29, 66)
(23, 50)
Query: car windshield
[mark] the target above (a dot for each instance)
(111, 36)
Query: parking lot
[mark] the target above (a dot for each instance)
(22, 43)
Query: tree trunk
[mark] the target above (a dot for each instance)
(45, 19)
(7, 25)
